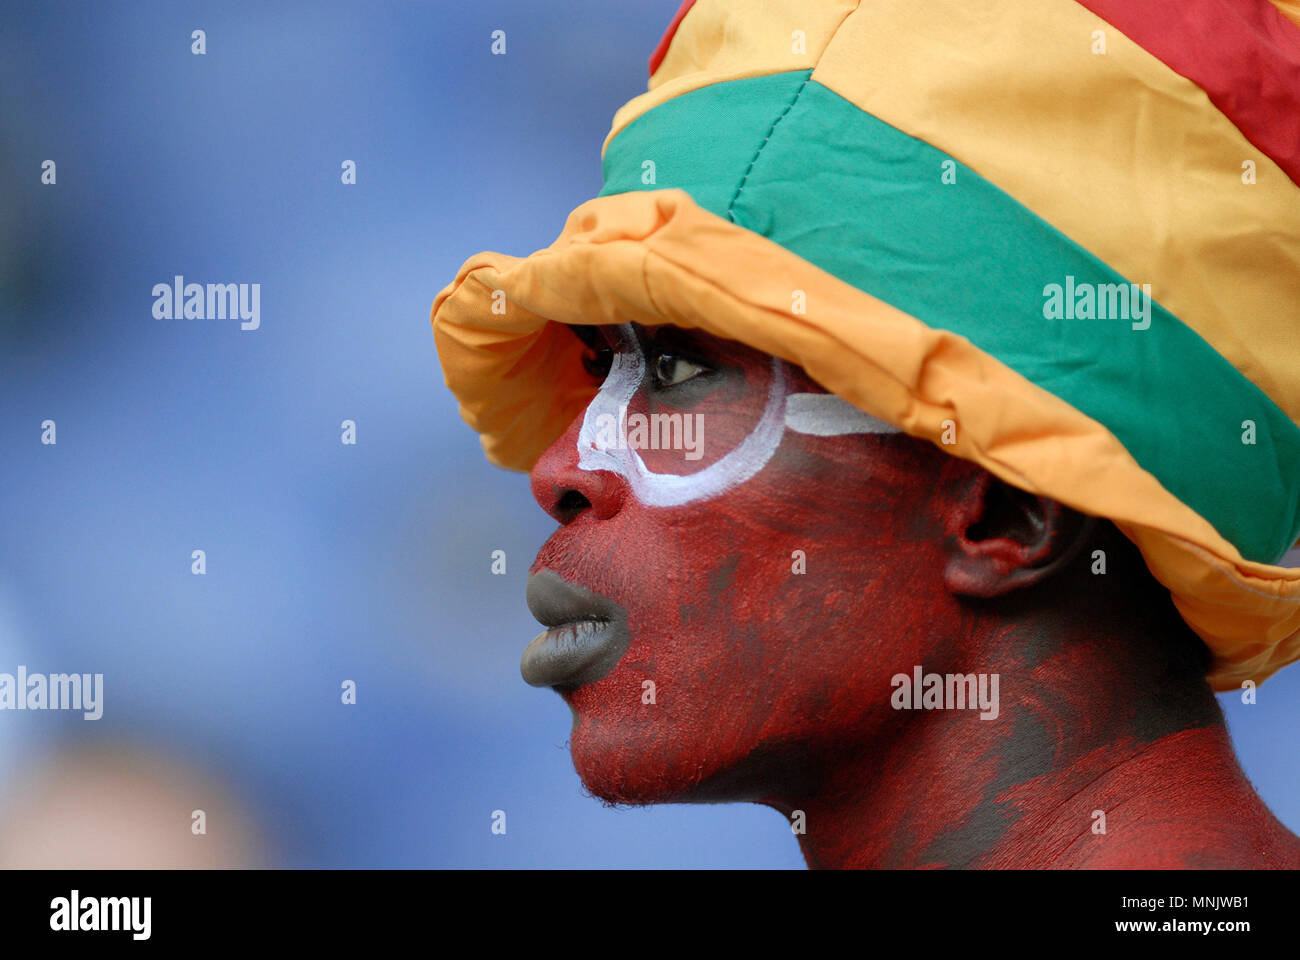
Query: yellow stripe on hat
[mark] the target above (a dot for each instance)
(729, 41)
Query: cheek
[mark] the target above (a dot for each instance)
(684, 700)
(751, 621)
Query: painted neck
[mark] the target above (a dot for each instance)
(1109, 750)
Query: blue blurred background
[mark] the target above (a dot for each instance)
(325, 562)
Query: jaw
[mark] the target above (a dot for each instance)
(646, 754)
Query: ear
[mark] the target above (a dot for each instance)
(1003, 538)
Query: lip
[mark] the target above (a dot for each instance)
(586, 634)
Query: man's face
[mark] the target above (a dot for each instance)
(748, 595)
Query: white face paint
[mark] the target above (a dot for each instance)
(818, 414)
(830, 415)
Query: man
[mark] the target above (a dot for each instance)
(940, 462)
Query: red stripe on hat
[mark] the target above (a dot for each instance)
(1243, 53)
(657, 57)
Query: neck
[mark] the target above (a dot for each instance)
(1109, 750)
(1179, 801)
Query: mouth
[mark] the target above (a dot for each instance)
(585, 634)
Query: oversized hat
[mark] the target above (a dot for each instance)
(1071, 227)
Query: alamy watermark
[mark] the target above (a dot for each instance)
(1098, 301)
(653, 431)
(179, 300)
(75, 913)
(55, 691)
(946, 691)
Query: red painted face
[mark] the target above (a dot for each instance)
(763, 623)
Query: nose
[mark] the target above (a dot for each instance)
(565, 491)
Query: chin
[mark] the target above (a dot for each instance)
(638, 758)
(626, 778)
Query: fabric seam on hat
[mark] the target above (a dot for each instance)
(731, 206)
(770, 130)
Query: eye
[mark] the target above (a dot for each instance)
(669, 369)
